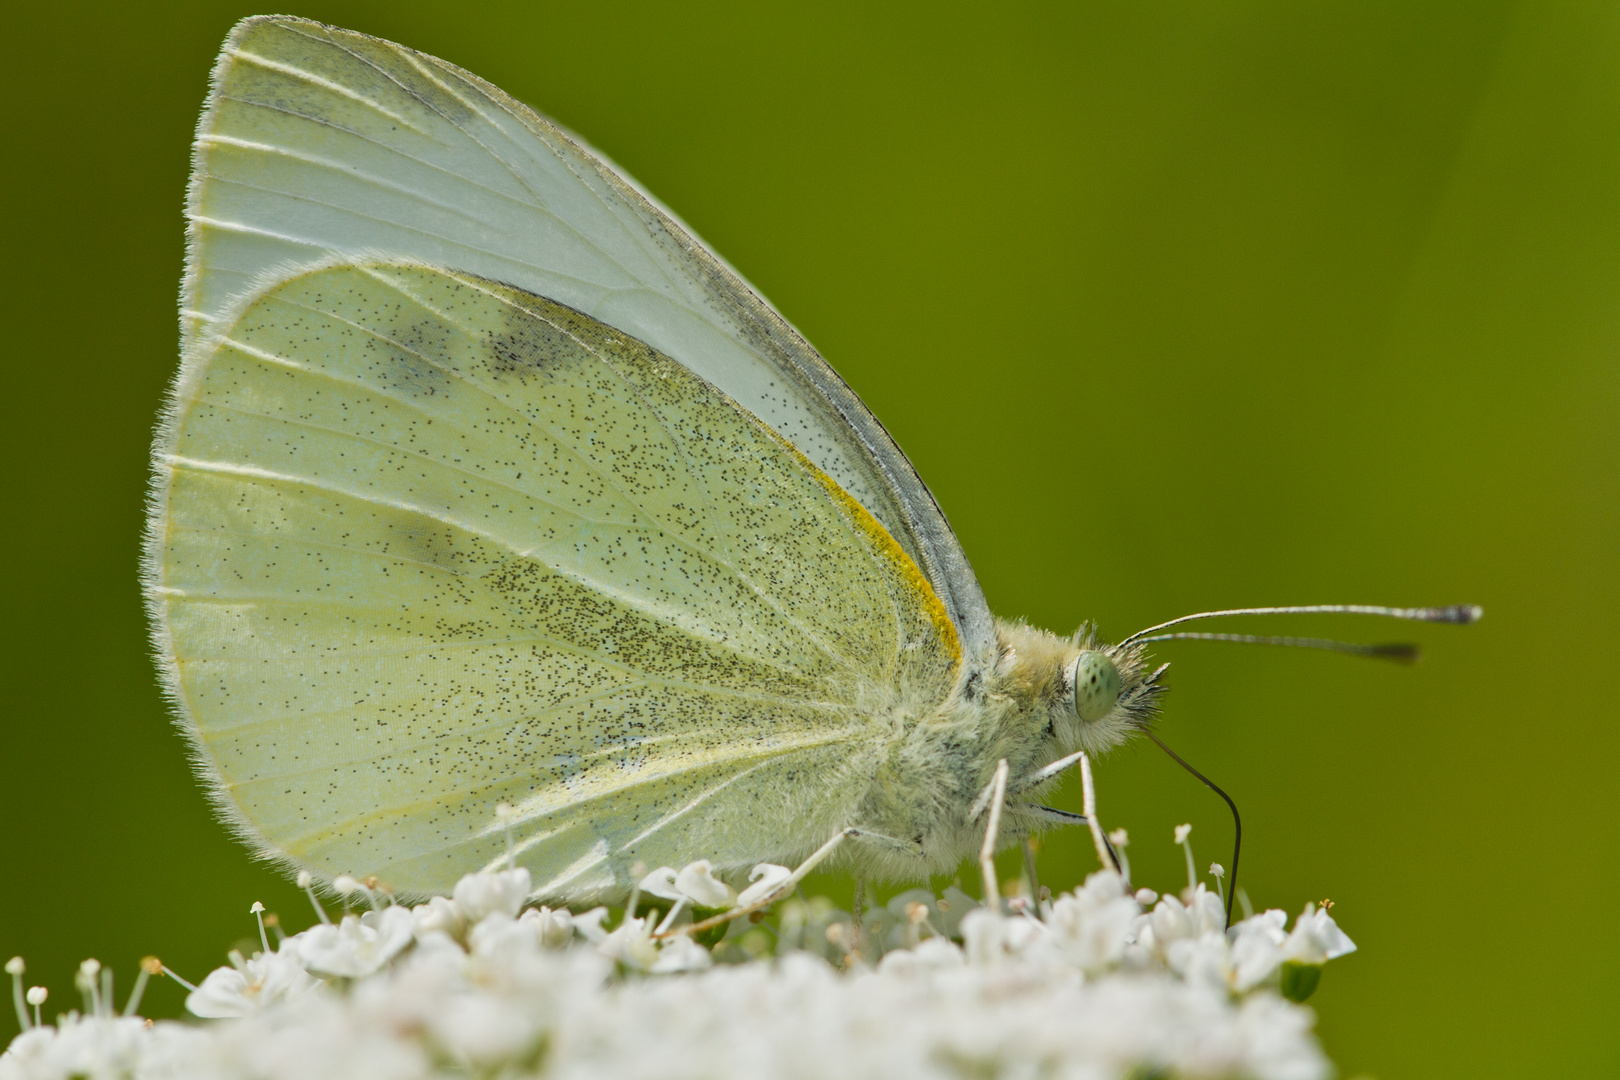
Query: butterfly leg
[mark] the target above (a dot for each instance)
(857, 910)
(992, 832)
(1105, 850)
(1029, 872)
(1024, 783)
(1041, 776)
(1052, 815)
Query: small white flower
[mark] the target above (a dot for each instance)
(1022, 935)
(680, 953)
(766, 878)
(1182, 832)
(28, 1053)
(87, 1046)
(631, 944)
(357, 946)
(440, 915)
(934, 954)
(1171, 921)
(536, 928)
(477, 895)
(589, 924)
(499, 933)
(698, 882)
(1257, 948)
(485, 1030)
(251, 984)
(1092, 926)
(1205, 913)
(1316, 938)
(1205, 960)
(661, 883)
(553, 927)
(982, 936)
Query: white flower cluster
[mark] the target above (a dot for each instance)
(1097, 983)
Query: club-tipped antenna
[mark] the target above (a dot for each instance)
(1400, 651)
(1237, 822)
(1450, 613)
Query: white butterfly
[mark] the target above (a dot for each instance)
(484, 484)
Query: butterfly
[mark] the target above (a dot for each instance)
(495, 517)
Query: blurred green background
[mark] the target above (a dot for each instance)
(1325, 297)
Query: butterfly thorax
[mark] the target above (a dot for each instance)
(1021, 708)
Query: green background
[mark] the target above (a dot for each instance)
(1174, 307)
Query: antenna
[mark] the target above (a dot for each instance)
(1451, 613)
(1399, 651)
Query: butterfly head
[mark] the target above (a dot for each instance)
(1109, 694)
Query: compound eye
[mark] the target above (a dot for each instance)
(1096, 685)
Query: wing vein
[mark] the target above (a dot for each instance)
(296, 73)
(449, 466)
(374, 179)
(781, 744)
(517, 174)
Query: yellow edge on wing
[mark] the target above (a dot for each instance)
(888, 547)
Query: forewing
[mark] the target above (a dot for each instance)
(318, 141)
(425, 544)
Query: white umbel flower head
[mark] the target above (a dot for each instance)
(1091, 985)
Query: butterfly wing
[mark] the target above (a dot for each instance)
(425, 544)
(318, 141)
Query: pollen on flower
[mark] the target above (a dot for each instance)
(1086, 983)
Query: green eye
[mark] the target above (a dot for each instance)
(1096, 685)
